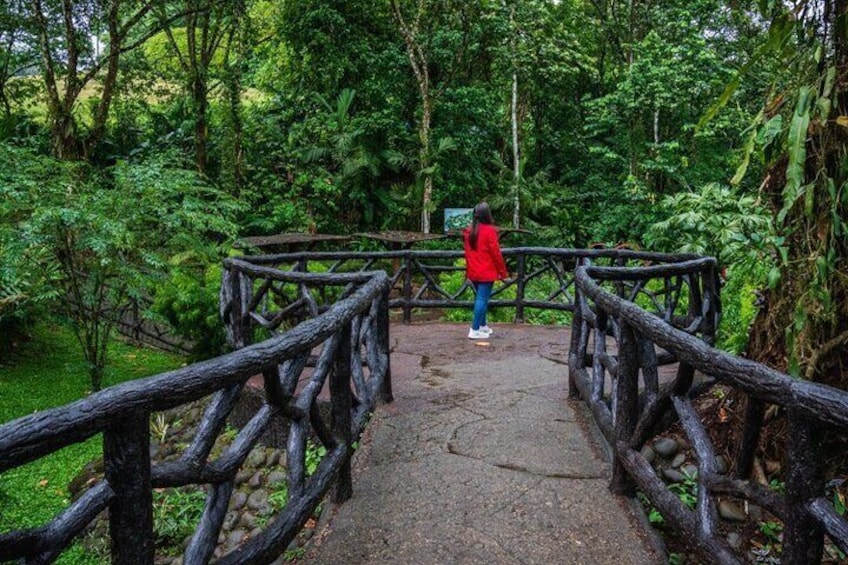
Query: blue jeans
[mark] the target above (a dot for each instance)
(481, 303)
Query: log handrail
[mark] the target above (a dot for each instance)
(415, 274)
(628, 420)
(352, 333)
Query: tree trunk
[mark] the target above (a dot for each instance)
(802, 324)
(424, 155)
(516, 156)
(201, 104)
(418, 63)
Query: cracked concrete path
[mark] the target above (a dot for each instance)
(480, 459)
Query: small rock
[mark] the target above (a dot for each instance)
(276, 478)
(673, 475)
(755, 512)
(258, 500)
(221, 538)
(690, 470)
(256, 480)
(238, 500)
(678, 460)
(731, 511)
(272, 457)
(248, 520)
(230, 520)
(235, 538)
(720, 465)
(648, 453)
(255, 532)
(256, 458)
(243, 476)
(666, 447)
(773, 467)
(734, 540)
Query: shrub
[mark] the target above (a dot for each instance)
(188, 302)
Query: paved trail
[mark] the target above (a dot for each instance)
(480, 460)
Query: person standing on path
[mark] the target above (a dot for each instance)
(484, 264)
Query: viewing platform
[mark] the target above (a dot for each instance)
(481, 458)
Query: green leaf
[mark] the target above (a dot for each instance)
(798, 139)
(809, 199)
(797, 149)
(773, 278)
(770, 131)
(746, 158)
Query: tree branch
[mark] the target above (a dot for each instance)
(821, 352)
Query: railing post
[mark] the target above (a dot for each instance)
(341, 410)
(234, 286)
(521, 283)
(713, 299)
(752, 426)
(626, 408)
(575, 349)
(407, 288)
(384, 344)
(803, 535)
(126, 455)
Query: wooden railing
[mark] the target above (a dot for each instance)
(542, 278)
(614, 341)
(329, 325)
(346, 345)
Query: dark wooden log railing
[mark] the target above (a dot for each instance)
(543, 278)
(629, 418)
(348, 344)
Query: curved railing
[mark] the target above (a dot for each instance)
(346, 345)
(542, 278)
(322, 326)
(614, 341)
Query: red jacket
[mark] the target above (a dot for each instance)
(484, 264)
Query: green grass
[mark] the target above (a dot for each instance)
(50, 371)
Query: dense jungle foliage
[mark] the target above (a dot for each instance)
(139, 138)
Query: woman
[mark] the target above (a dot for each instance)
(484, 264)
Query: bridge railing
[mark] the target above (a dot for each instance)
(542, 278)
(610, 384)
(346, 345)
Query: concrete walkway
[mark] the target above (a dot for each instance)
(481, 459)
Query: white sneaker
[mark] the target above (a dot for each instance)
(477, 334)
(487, 330)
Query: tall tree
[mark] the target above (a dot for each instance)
(17, 50)
(80, 44)
(207, 24)
(802, 135)
(410, 30)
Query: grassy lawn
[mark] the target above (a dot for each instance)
(46, 372)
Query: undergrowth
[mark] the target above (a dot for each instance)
(45, 372)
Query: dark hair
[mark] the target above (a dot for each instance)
(482, 215)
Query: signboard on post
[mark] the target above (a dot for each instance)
(457, 219)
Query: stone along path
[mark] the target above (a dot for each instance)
(481, 459)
